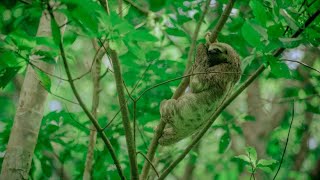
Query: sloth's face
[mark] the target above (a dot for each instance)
(217, 55)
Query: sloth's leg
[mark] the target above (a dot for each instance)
(167, 108)
(169, 137)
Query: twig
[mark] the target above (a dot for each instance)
(98, 55)
(212, 119)
(120, 8)
(178, 78)
(83, 106)
(140, 8)
(183, 85)
(133, 89)
(62, 98)
(37, 67)
(222, 20)
(289, 99)
(73, 119)
(145, 157)
(302, 63)
(285, 147)
(252, 168)
(94, 110)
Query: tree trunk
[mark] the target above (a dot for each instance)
(27, 121)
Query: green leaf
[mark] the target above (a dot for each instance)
(237, 128)
(176, 32)
(244, 158)
(137, 51)
(46, 56)
(6, 74)
(275, 31)
(258, 12)
(266, 169)
(278, 68)
(44, 79)
(8, 59)
(152, 55)
(22, 40)
(124, 27)
(86, 14)
(47, 41)
(291, 42)
(141, 36)
(252, 154)
(266, 162)
(251, 35)
(55, 32)
(69, 37)
(291, 22)
(249, 118)
(224, 142)
(118, 45)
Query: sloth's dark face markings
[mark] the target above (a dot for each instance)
(216, 55)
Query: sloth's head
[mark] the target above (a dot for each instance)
(219, 53)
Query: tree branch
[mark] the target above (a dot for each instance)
(286, 145)
(94, 110)
(84, 107)
(125, 115)
(222, 20)
(213, 117)
(140, 8)
(185, 82)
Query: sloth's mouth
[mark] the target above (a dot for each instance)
(216, 61)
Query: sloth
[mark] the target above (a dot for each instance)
(215, 71)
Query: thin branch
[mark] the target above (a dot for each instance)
(302, 63)
(120, 8)
(285, 147)
(289, 99)
(178, 78)
(98, 55)
(222, 20)
(104, 74)
(183, 85)
(73, 119)
(140, 8)
(105, 4)
(145, 157)
(83, 106)
(252, 168)
(37, 67)
(133, 89)
(213, 117)
(63, 98)
(94, 110)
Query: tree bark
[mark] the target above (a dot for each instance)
(191, 165)
(29, 113)
(95, 104)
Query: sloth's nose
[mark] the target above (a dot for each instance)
(215, 51)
